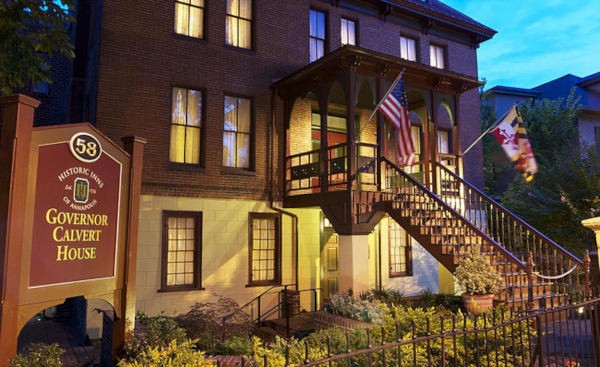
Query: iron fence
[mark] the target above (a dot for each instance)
(561, 336)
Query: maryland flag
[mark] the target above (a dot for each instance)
(512, 136)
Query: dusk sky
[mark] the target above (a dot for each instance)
(537, 40)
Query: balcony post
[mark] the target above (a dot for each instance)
(380, 126)
(350, 123)
(323, 159)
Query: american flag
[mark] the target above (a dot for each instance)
(395, 108)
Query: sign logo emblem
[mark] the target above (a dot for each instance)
(85, 147)
(81, 190)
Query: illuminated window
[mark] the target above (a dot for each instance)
(181, 250)
(416, 138)
(348, 28)
(238, 27)
(265, 249)
(186, 126)
(408, 48)
(437, 57)
(444, 146)
(237, 132)
(317, 34)
(400, 250)
(189, 18)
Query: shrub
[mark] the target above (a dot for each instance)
(173, 354)
(236, 345)
(344, 304)
(204, 322)
(39, 355)
(153, 332)
(475, 274)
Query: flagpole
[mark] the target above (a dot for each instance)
(496, 123)
(381, 101)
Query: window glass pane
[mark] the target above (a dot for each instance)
(231, 32)
(199, 3)
(243, 115)
(186, 121)
(264, 249)
(181, 18)
(245, 9)
(245, 34)
(195, 27)
(180, 263)
(321, 25)
(443, 142)
(233, 7)
(313, 23)
(229, 149)
(348, 35)
(243, 153)
(230, 106)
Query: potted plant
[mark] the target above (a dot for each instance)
(479, 280)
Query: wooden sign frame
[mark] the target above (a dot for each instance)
(25, 291)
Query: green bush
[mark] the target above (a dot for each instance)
(153, 332)
(235, 346)
(204, 322)
(39, 355)
(174, 354)
(344, 304)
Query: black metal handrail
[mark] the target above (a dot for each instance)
(281, 304)
(550, 262)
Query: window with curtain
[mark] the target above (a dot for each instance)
(400, 250)
(317, 34)
(181, 250)
(408, 48)
(186, 125)
(444, 146)
(237, 132)
(238, 25)
(348, 28)
(437, 56)
(265, 249)
(189, 18)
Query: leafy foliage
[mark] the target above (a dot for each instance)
(205, 323)
(173, 354)
(420, 331)
(475, 274)
(39, 355)
(344, 304)
(566, 189)
(31, 31)
(153, 332)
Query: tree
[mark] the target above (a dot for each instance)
(32, 31)
(566, 188)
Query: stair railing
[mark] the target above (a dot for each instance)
(281, 307)
(256, 302)
(551, 262)
(398, 184)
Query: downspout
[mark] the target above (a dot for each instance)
(272, 173)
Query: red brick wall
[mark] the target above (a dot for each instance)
(141, 58)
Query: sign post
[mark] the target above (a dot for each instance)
(71, 205)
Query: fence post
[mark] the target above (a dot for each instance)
(586, 268)
(530, 303)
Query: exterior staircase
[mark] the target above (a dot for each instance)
(537, 272)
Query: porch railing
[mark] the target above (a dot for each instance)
(306, 171)
(551, 262)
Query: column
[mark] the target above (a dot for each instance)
(354, 263)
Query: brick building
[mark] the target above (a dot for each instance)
(262, 167)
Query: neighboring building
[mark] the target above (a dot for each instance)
(587, 89)
(253, 177)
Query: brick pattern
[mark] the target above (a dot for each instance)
(138, 67)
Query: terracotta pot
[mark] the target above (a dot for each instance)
(478, 303)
